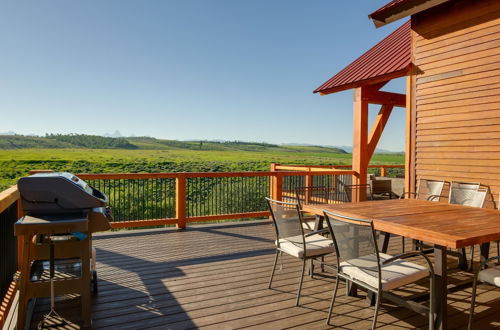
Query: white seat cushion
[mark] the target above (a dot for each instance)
(490, 276)
(309, 223)
(394, 274)
(315, 245)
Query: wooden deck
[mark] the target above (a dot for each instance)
(215, 276)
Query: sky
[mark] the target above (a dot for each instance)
(187, 69)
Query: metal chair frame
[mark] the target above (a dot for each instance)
(431, 197)
(376, 290)
(305, 258)
(328, 193)
(461, 186)
(471, 187)
(474, 287)
(348, 189)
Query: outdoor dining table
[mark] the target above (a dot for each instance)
(440, 224)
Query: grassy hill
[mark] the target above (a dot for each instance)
(60, 141)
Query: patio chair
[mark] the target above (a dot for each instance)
(382, 189)
(315, 195)
(475, 199)
(427, 189)
(467, 194)
(490, 276)
(360, 262)
(291, 239)
(349, 189)
(462, 193)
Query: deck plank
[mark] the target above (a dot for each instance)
(215, 277)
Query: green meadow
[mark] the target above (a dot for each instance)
(15, 163)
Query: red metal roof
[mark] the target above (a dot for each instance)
(390, 58)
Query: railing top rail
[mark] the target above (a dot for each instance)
(8, 197)
(316, 167)
(117, 176)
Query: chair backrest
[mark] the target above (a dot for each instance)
(477, 198)
(350, 189)
(316, 195)
(287, 220)
(430, 189)
(381, 186)
(462, 192)
(355, 243)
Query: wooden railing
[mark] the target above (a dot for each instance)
(9, 213)
(311, 168)
(152, 199)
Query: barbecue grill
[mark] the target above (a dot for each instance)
(61, 212)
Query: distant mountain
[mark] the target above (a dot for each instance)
(115, 134)
(377, 150)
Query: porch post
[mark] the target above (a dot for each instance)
(360, 142)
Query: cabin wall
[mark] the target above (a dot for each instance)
(456, 93)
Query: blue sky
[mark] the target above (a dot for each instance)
(186, 69)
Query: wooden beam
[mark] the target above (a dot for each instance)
(408, 142)
(378, 97)
(378, 128)
(360, 140)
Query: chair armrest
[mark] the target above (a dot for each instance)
(431, 197)
(481, 266)
(407, 193)
(321, 231)
(411, 254)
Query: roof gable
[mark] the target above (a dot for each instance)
(389, 59)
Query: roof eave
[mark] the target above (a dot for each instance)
(370, 81)
(407, 9)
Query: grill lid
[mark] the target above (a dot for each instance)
(58, 192)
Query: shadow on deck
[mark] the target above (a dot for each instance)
(215, 276)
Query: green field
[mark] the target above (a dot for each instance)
(15, 163)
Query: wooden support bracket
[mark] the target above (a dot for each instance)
(378, 128)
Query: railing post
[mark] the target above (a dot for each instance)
(20, 238)
(383, 171)
(273, 192)
(309, 183)
(278, 187)
(180, 200)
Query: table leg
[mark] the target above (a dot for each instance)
(352, 289)
(385, 241)
(485, 251)
(440, 286)
(318, 225)
(462, 260)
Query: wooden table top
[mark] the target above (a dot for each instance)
(453, 226)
